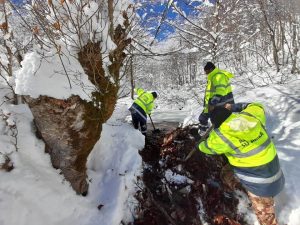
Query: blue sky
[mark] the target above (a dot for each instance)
(17, 1)
(155, 10)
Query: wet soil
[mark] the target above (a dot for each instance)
(198, 197)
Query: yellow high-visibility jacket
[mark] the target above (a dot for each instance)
(218, 89)
(145, 100)
(242, 138)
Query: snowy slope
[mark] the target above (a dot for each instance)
(34, 193)
(283, 123)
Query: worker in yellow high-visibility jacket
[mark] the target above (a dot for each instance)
(218, 91)
(142, 107)
(252, 156)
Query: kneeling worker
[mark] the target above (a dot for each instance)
(142, 107)
(252, 156)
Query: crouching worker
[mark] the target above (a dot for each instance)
(252, 156)
(142, 107)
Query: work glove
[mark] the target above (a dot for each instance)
(238, 107)
(203, 119)
(203, 123)
(202, 129)
(215, 100)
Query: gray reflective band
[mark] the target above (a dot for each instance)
(227, 141)
(222, 86)
(139, 98)
(260, 180)
(222, 103)
(149, 103)
(141, 114)
(240, 154)
(248, 114)
(254, 151)
(219, 85)
(213, 89)
(206, 146)
(145, 104)
(217, 98)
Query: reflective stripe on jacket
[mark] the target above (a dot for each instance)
(218, 87)
(137, 109)
(244, 141)
(145, 100)
(242, 138)
(266, 180)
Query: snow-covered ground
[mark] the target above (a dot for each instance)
(35, 193)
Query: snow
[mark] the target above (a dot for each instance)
(176, 178)
(244, 207)
(201, 212)
(114, 165)
(207, 3)
(90, 9)
(3, 58)
(39, 76)
(35, 193)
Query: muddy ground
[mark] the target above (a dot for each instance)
(171, 191)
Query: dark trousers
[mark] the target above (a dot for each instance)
(139, 118)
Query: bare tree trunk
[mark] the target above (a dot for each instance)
(131, 77)
(295, 49)
(272, 34)
(282, 30)
(7, 44)
(217, 29)
(8, 48)
(188, 72)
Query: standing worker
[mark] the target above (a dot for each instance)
(218, 92)
(142, 107)
(252, 156)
